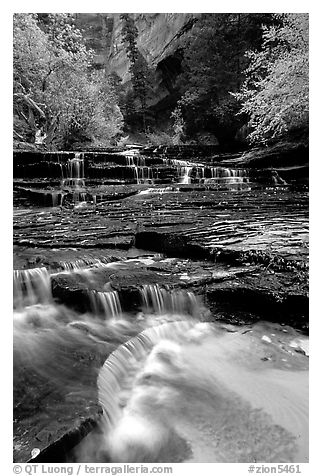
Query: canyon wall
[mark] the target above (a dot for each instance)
(159, 41)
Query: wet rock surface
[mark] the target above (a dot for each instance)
(239, 244)
(268, 227)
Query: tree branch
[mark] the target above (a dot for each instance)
(31, 103)
(18, 135)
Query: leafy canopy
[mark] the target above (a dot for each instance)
(55, 89)
(213, 65)
(275, 93)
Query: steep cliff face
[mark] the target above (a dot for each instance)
(97, 29)
(159, 39)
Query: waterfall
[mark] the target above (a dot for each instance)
(75, 171)
(161, 384)
(185, 170)
(75, 167)
(107, 303)
(83, 263)
(144, 174)
(141, 161)
(130, 161)
(61, 169)
(226, 172)
(79, 196)
(126, 358)
(31, 286)
(57, 198)
(226, 175)
(185, 174)
(153, 299)
(160, 301)
(200, 173)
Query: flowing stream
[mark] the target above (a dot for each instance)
(172, 388)
(173, 383)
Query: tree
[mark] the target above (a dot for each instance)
(30, 67)
(140, 73)
(178, 126)
(213, 64)
(56, 93)
(275, 94)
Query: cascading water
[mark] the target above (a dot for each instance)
(178, 390)
(75, 180)
(141, 161)
(130, 161)
(75, 172)
(161, 301)
(172, 388)
(158, 191)
(200, 175)
(31, 286)
(107, 303)
(228, 176)
(178, 163)
(61, 167)
(187, 391)
(142, 173)
(204, 174)
(84, 263)
(185, 174)
(118, 366)
(57, 198)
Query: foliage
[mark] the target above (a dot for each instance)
(160, 138)
(178, 126)
(56, 94)
(275, 94)
(213, 64)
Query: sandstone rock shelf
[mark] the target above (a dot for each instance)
(234, 250)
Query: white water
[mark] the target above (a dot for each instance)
(142, 173)
(84, 263)
(185, 174)
(158, 191)
(75, 172)
(57, 198)
(134, 160)
(200, 173)
(180, 390)
(161, 301)
(107, 302)
(225, 175)
(187, 382)
(31, 286)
